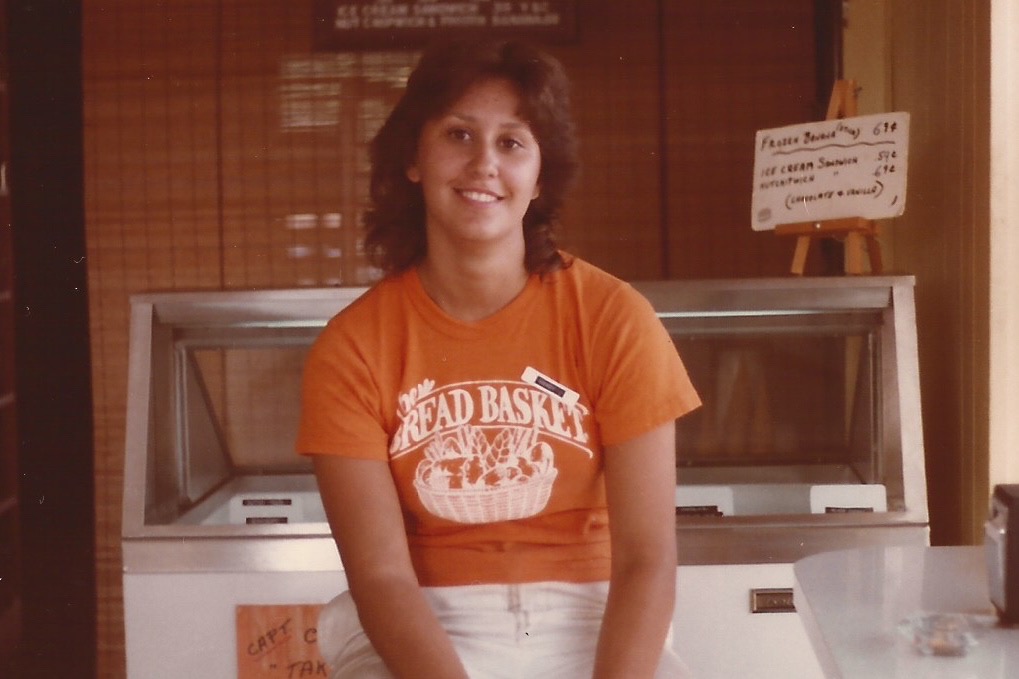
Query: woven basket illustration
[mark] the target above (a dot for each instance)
(489, 503)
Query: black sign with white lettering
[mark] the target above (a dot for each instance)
(342, 25)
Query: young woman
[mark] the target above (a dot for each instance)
(483, 418)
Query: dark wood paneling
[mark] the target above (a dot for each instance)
(613, 217)
(9, 534)
(732, 67)
(940, 74)
(54, 403)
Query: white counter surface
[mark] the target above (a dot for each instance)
(852, 603)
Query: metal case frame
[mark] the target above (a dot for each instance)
(212, 316)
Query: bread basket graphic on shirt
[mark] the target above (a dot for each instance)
(466, 478)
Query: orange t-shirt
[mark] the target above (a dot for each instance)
(494, 430)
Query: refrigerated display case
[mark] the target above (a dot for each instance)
(218, 511)
(810, 435)
(809, 439)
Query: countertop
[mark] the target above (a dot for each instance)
(853, 604)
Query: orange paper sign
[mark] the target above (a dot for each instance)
(278, 642)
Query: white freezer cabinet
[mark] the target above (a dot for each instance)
(219, 511)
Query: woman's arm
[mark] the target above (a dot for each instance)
(364, 513)
(640, 482)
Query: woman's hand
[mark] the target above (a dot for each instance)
(640, 483)
(364, 514)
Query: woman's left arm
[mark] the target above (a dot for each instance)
(640, 483)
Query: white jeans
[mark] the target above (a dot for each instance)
(542, 630)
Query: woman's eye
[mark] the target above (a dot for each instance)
(512, 143)
(458, 134)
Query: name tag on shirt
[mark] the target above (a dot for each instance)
(558, 391)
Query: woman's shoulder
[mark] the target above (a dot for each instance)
(593, 284)
(365, 320)
(384, 297)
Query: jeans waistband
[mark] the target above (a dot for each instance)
(534, 596)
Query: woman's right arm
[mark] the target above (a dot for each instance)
(366, 520)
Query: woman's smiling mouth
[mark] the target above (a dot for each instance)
(479, 196)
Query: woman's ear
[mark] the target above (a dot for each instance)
(413, 174)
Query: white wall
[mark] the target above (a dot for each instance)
(1004, 378)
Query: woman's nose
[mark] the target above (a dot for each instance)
(485, 160)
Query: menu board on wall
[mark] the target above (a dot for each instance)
(850, 167)
(411, 24)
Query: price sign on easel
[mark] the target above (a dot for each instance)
(814, 172)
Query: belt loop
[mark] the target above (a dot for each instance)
(513, 598)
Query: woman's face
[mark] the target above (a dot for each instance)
(478, 167)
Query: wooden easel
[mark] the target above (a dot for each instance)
(856, 231)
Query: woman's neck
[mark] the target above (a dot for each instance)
(472, 289)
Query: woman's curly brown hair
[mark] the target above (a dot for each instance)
(395, 221)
